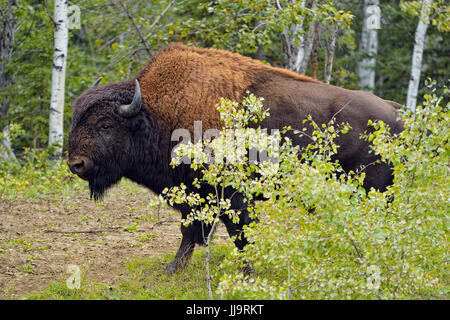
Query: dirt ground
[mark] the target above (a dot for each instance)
(40, 238)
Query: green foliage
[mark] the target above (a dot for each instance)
(32, 67)
(110, 46)
(89, 57)
(320, 235)
(35, 174)
(248, 26)
(229, 165)
(438, 12)
(396, 42)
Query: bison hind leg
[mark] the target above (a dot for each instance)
(236, 232)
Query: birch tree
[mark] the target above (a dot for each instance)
(56, 133)
(331, 48)
(419, 41)
(298, 44)
(294, 42)
(369, 45)
(308, 46)
(8, 24)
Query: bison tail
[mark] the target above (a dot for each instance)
(395, 104)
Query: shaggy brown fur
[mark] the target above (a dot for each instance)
(183, 84)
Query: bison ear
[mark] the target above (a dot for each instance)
(132, 109)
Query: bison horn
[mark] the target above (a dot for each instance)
(97, 82)
(132, 109)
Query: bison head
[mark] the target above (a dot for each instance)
(102, 146)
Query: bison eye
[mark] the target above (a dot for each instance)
(105, 126)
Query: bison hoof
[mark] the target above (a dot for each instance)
(172, 267)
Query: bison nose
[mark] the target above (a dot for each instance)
(80, 166)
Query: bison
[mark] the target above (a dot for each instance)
(124, 129)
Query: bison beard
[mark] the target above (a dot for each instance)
(102, 180)
(128, 135)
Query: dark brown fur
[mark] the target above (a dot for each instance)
(183, 84)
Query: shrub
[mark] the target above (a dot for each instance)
(320, 235)
(354, 245)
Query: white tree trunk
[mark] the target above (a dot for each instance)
(56, 133)
(7, 153)
(416, 66)
(294, 53)
(369, 45)
(299, 51)
(309, 42)
(331, 48)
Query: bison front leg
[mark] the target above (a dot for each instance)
(191, 236)
(182, 257)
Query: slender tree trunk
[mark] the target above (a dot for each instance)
(56, 130)
(369, 45)
(208, 258)
(294, 53)
(260, 52)
(310, 38)
(331, 48)
(7, 154)
(416, 65)
(315, 61)
(8, 24)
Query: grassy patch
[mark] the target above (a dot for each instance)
(144, 279)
